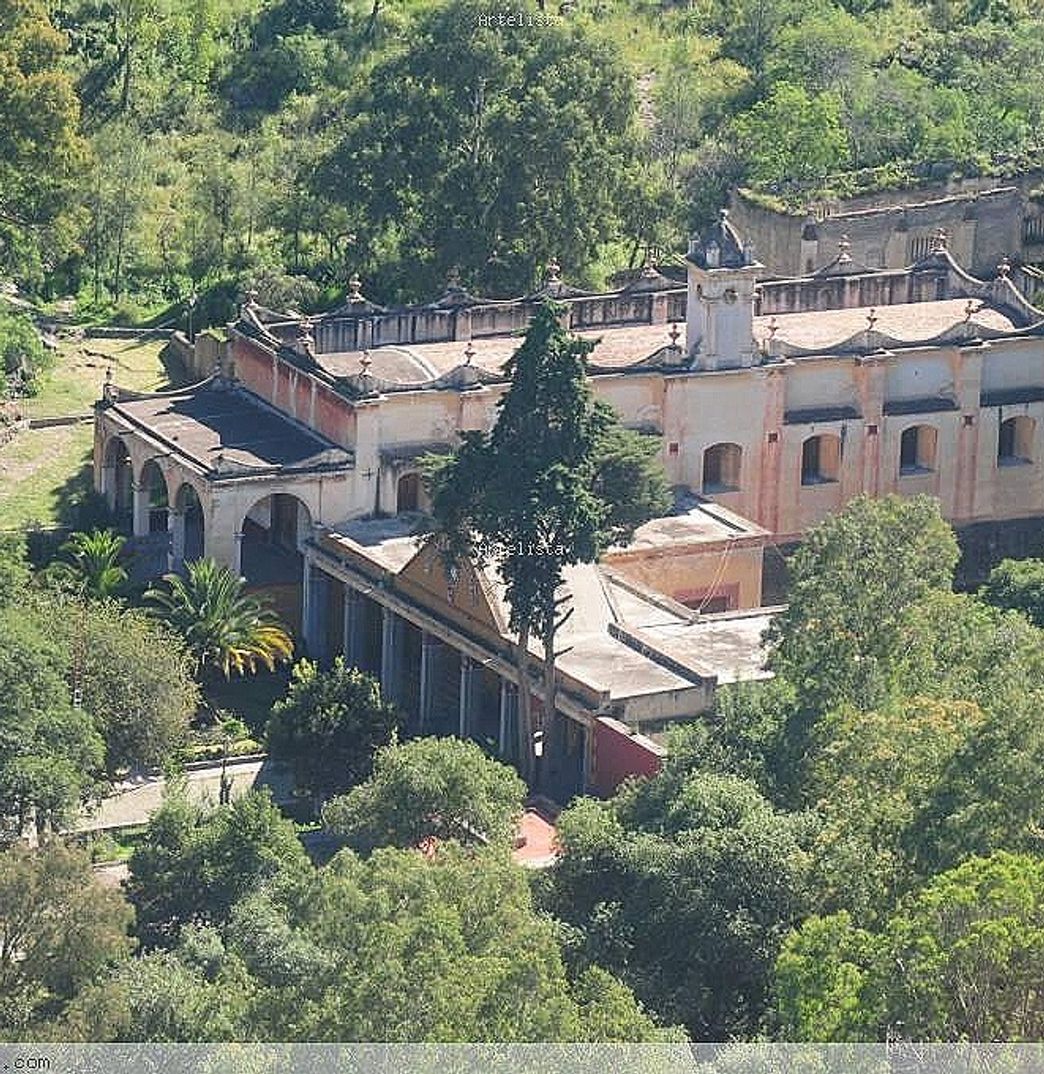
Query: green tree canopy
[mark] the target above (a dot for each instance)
(134, 677)
(970, 945)
(329, 726)
(23, 357)
(60, 929)
(430, 789)
(792, 134)
(487, 150)
(14, 568)
(41, 152)
(397, 947)
(50, 753)
(90, 564)
(1018, 584)
(684, 885)
(196, 863)
(852, 579)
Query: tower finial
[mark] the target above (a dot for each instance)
(844, 249)
(554, 272)
(355, 288)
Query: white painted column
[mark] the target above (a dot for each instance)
(139, 509)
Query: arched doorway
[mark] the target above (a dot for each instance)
(273, 533)
(187, 528)
(117, 483)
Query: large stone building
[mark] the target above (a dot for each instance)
(296, 462)
(986, 220)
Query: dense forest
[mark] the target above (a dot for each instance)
(153, 150)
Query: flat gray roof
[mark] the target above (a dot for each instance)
(230, 429)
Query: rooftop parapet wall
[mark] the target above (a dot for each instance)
(343, 331)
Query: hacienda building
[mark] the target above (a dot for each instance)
(295, 461)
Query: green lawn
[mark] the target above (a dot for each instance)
(44, 473)
(75, 383)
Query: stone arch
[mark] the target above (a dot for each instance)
(188, 527)
(118, 481)
(270, 540)
(156, 496)
(722, 465)
(917, 449)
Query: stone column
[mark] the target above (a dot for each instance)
(140, 509)
(237, 552)
(176, 528)
(307, 605)
(389, 655)
(466, 695)
(353, 626)
(427, 678)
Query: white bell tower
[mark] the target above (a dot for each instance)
(719, 316)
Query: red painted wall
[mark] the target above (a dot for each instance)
(619, 754)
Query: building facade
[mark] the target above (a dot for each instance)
(775, 402)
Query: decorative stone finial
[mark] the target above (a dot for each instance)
(723, 215)
(1004, 268)
(844, 249)
(305, 340)
(969, 310)
(469, 353)
(365, 362)
(871, 319)
(453, 279)
(250, 298)
(675, 335)
(355, 288)
(219, 461)
(773, 327)
(554, 271)
(939, 241)
(110, 393)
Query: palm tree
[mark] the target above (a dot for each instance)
(92, 565)
(224, 626)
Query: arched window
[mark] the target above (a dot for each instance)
(820, 459)
(407, 493)
(917, 450)
(1015, 442)
(721, 468)
(155, 487)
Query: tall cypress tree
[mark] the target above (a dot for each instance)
(542, 491)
